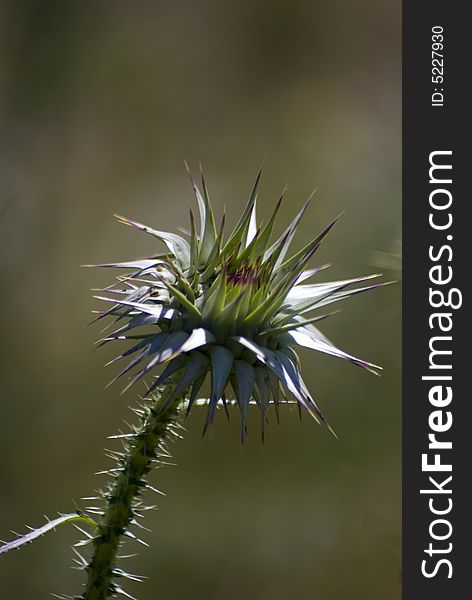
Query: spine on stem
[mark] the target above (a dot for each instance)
(144, 448)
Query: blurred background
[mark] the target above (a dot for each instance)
(100, 103)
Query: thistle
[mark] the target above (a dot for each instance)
(232, 310)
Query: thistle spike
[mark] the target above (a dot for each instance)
(245, 287)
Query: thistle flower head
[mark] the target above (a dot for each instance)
(235, 309)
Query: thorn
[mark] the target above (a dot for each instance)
(81, 559)
(83, 532)
(148, 486)
(81, 543)
(131, 535)
(109, 471)
(136, 524)
(95, 511)
(120, 573)
(331, 430)
(179, 426)
(119, 590)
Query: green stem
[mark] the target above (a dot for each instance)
(142, 451)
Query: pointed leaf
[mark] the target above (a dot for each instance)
(209, 235)
(176, 244)
(299, 260)
(198, 338)
(244, 379)
(216, 298)
(303, 298)
(263, 238)
(151, 346)
(260, 352)
(240, 231)
(193, 242)
(174, 366)
(197, 366)
(274, 331)
(338, 296)
(297, 386)
(221, 363)
(194, 391)
(310, 272)
(164, 351)
(252, 227)
(200, 202)
(304, 338)
(184, 301)
(214, 257)
(262, 381)
(141, 265)
(284, 241)
(36, 533)
(157, 310)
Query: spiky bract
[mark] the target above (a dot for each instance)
(233, 309)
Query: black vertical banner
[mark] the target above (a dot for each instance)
(437, 238)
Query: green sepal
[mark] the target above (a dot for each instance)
(176, 244)
(216, 298)
(214, 257)
(281, 246)
(262, 240)
(185, 302)
(207, 236)
(244, 379)
(300, 259)
(241, 228)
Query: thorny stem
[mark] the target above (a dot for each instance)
(142, 449)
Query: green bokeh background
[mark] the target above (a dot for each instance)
(100, 102)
